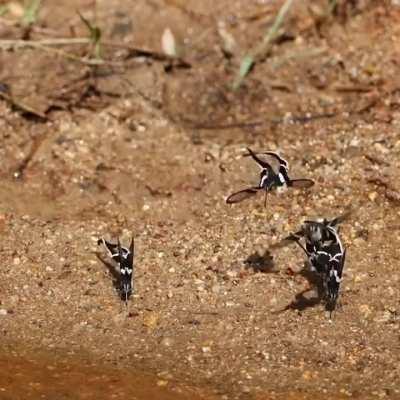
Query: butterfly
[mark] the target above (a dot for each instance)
(319, 234)
(274, 174)
(325, 253)
(124, 257)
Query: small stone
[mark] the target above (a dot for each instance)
(376, 227)
(359, 278)
(245, 389)
(151, 320)
(162, 383)
(17, 261)
(3, 311)
(372, 196)
(273, 301)
(167, 342)
(232, 274)
(307, 375)
(49, 269)
(205, 349)
(146, 207)
(216, 288)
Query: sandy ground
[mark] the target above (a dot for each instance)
(145, 147)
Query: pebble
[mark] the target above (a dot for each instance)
(17, 261)
(167, 342)
(3, 311)
(245, 389)
(372, 196)
(232, 274)
(151, 320)
(216, 288)
(360, 277)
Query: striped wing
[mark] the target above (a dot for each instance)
(242, 195)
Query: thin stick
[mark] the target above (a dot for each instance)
(10, 44)
(73, 57)
(47, 45)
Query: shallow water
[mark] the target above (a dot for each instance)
(43, 378)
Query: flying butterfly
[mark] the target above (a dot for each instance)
(124, 257)
(274, 174)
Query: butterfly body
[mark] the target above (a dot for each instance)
(123, 256)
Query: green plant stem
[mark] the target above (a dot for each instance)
(249, 60)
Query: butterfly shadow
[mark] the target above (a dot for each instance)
(301, 302)
(259, 262)
(113, 271)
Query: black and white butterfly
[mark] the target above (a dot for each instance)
(274, 174)
(124, 257)
(320, 234)
(325, 253)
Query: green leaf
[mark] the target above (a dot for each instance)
(262, 47)
(245, 67)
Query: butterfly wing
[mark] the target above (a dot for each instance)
(111, 248)
(343, 259)
(338, 220)
(258, 160)
(267, 160)
(242, 195)
(282, 162)
(131, 253)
